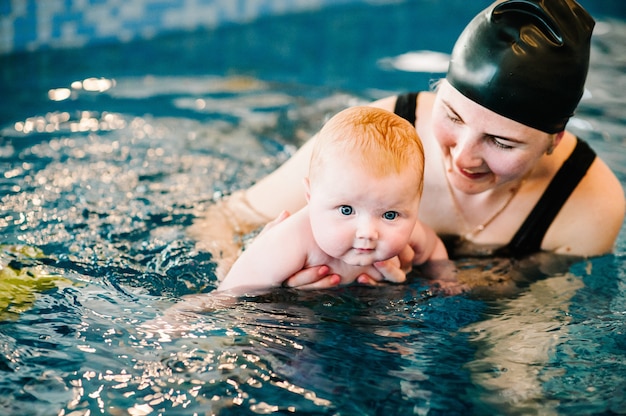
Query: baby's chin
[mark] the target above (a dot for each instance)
(361, 262)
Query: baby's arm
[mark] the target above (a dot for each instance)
(426, 245)
(273, 256)
(431, 255)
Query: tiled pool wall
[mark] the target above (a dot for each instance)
(29, 25)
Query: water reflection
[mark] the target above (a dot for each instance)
(104, 182)
(64, 122)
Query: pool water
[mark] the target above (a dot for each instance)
(108, 155)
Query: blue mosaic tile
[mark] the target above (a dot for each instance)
(32, 24)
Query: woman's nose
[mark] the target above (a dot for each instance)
(466, 152)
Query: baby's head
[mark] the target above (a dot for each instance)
(378, 141)
(364, 186)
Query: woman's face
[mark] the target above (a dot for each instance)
(482, 149)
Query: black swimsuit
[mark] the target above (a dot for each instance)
(528, 238)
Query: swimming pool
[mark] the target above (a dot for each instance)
(108, 154)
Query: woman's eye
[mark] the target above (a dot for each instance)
(390, 215)
(345, 209)
(500, 144)
(453, 118)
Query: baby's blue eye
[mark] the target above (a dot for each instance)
(390, 215)
(345, 209)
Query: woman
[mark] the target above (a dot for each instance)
(502, 175)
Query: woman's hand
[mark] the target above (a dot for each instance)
(443, 274)
(316, 277)
(281, 217)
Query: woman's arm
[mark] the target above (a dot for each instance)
(283, 188)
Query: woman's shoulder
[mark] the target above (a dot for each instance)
(389, 103)
(601, 189)
(590, 220)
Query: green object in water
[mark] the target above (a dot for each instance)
(19, 285)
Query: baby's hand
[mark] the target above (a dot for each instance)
(393, 270)
(390, 271)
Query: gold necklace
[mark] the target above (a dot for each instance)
(480, 227)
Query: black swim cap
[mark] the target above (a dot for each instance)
(526, 60)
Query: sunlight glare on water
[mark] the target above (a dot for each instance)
(106, 164)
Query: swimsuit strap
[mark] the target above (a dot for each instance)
(528, 238)
(406, 105)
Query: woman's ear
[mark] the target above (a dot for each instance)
(307, 189)
(556, 139)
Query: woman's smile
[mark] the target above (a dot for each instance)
(473, 175)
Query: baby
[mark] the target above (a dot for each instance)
(363, 193)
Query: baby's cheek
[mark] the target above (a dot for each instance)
(395, 247)
(335, 244)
